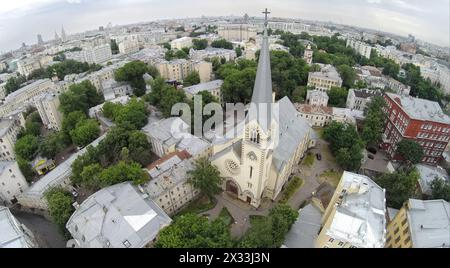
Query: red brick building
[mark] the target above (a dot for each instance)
(416, 119)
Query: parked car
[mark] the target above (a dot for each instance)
(318, 156)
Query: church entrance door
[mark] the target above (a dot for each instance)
(249, 199)
(232, 187)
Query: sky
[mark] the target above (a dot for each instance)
(22, 20)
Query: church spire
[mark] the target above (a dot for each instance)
(262, 91)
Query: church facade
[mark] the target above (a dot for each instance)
(258, 161)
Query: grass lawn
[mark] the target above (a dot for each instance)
(309, 160)
(331, 176)
(226, 216)
(199, 205)
(291, 188)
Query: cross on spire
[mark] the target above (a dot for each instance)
(265, 19)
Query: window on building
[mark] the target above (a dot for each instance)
(251, 172)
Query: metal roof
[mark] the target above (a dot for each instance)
(11, 234)
(305, 230)
(118, 216)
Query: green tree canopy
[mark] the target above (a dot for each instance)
(200, 44)
(53, 144)
(60, 207)
(132, 72)
(222, 43)
(191, 79)
(193, 231)
(71, 120)
(337, 97)
(375, 121)
(440, 189)
(13, 84)
(206, 177)
(80, 97)
(85, 132)
(348, 75)
(410, 150)
(27, 147)
(114, 47)
(400, 186)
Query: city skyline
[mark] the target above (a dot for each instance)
(428, 21)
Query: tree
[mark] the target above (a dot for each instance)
(338, 97)
(85, 132)
(194, 231)
(440, 189)
(191, 79)
(80, 97)
(400, 186)
(348, 75)
(33, 124)
(238, 85)
(13, 84)
(27, 147)
(345, 144)
(299, 94)
(132, 115)
(25, 168)
(53, 144)
(238, 51)
(139, 148)
(375, 121)
(270, 231)
(200, 44)
(71, 120)
(123, 172)
(132, 72)
(89, 177)
(391, 68)
(60, 207)
(114, 47)
(222, 43)
(205, 177)
(170, 97)
(410, 150)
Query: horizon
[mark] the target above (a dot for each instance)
(389, 16)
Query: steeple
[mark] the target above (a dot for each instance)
(262, 91)
(63, 34)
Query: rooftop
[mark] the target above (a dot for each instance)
(27, 88)
(428, 174)
(327, 71)
(5, 124)
(420, 109)
(429, 223)
(304, 231)
(313, 109)
(118, 216)
(11, 233)
(365, 93)
(360, 216)
(208, 86)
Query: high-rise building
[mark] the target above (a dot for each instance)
(308, 54)
(63, 34)
(39, 40)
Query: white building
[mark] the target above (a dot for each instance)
(212, 87)
(360, 47)
(317, 98)
(13, 234)
(92, 54)
(113, 89)
(119, 216)
(129, 44)
(356, 215)
(181, 43)
(12, 182)
(169, 187)
(308, 54)
(358, 99)
(428, 174)
(325, 79)
(47, 105)
(211, 52)
(23, 96)
(9, 128)
(173, 134)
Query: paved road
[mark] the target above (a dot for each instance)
(46, 232)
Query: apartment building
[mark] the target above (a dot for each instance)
(317, 116)
(317, 98)
(92, 54)
(325, 79)
(9, 128)
(355, 216)
(180, 68)
(237, 32)
(308, 54)
(13, 233)
(358, 99)
(212, 52)
(12, 182)
(129, 44)
(48, 108)
(169, 187)
(419, 120)
(23, 96)
(360, 47)
(420, 224)
(181, 43)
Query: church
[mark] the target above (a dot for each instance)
(258, 161)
